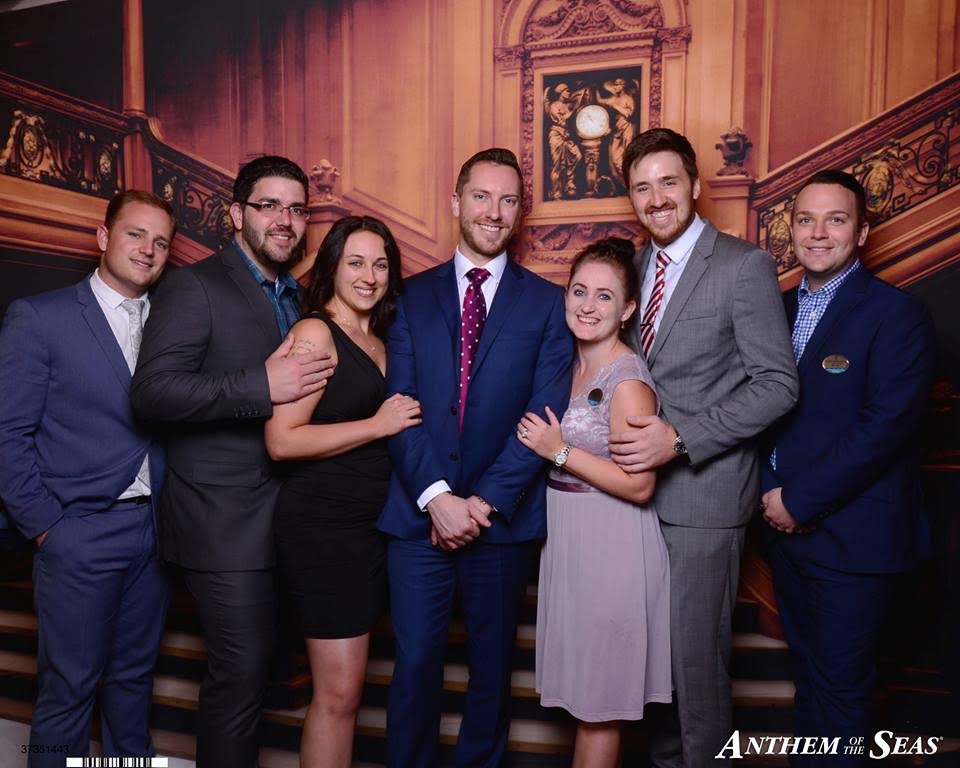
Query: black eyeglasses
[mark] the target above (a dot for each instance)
(275, 209)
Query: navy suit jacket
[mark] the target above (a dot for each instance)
(847, 456)
(523, 364)
(69, 442)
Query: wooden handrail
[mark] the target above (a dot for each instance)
(904, 157)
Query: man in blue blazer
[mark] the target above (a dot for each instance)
(79, 476)
(467, 499)
(842, 486)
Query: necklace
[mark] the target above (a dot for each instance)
(360, 338)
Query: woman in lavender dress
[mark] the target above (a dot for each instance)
(603, 631)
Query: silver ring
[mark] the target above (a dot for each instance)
(524, 433)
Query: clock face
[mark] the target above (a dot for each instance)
(593, 121)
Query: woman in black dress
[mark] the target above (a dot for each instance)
(331, 554)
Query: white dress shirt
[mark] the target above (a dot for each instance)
(679, 254)
(462, 265)
(119, 321)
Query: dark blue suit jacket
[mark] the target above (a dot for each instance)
(523, 363)
(847, 457)
(69, 443)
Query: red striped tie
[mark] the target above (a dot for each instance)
(653, 304)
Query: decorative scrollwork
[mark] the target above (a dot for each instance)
(201, 211)
(898, 173)
(559, 243)
(579, 18)
(60, 150)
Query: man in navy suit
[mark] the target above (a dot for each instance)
(842, 486)
(79, 476)
(479, 341)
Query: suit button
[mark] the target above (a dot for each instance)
(454, 456)
(453, 410)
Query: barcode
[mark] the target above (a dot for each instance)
(117, 762)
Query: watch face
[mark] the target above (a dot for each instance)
(593, 121)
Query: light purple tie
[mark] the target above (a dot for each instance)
(471, 326)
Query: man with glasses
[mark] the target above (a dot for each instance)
(211, 370)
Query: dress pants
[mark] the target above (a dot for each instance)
(101, 599)
(423, 581)
(704, 575)
(238, 610)
(831, 621)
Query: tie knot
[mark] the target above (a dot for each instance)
(662, 259)
(134, 307)
(477, 275)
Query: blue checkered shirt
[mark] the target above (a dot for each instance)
(284, 293)
(811, 306)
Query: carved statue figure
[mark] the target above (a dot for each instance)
(565, 155)
(623, 100)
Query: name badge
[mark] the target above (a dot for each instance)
(836, 364)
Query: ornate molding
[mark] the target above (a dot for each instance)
(557, 244)
(586, 18)
(510, 57)
(324, 176)
(59, 150)
(199, 194)
(675, 38)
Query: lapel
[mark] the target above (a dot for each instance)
(448, 299)
(696, 265)
(509, 290)
(97, 323)
(850, 294)
(259, 304)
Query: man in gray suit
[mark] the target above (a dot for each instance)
(714, 335)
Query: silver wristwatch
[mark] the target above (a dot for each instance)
(678, 447)
(560, 458)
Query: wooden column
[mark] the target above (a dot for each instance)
(137, 171)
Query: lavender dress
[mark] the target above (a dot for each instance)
(603, 608)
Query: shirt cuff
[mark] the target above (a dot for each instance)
(433, 490)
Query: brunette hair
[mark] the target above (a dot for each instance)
(321, 288)
(659, 140)
(845, 180)
(616, 252)
(495, 155)
(261, 168)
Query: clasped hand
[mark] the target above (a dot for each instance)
(457, 521)
(776, 514)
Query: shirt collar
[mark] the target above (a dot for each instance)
(106, 294)
(495, 266)
(284, 279)
(829, 288)
(680, 248)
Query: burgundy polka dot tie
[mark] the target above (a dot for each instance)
(471, 326)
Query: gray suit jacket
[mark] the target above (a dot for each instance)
(723, 365)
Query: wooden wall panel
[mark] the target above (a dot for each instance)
(820, 76)
(920, 46)
(192, 71)
(390, 130)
